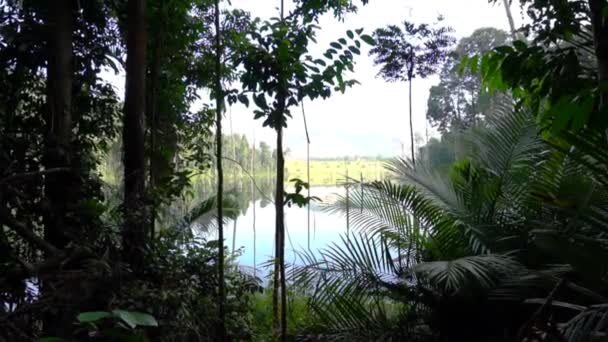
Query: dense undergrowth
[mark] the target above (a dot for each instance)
(497, 231)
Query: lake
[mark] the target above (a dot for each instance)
(325, 228)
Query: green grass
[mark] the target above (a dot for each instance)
(331, 172)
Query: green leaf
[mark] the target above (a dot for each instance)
(359, 31)
(342, 41)
(243, 99)
(580, 119)
(92, 316)
(260, 101)
(463, 65)
(504, 49)
(563, 112)
(313, 68)
(354, 50)
(350, 34)
(474, 63)
(368, 39)
(320, 62)
(520, 45)
(335, 45)
(134, 319)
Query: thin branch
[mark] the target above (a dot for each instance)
(250, 177)
(27, 234)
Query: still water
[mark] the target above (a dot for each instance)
(325, 228)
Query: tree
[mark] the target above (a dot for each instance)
(277, 66)
(459, 101)
(507, 4)
(569, 98)
(58, 115)
(134, 237)
(59, 121)
(416, 51)
(477, 252)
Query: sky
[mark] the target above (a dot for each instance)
(371, 118)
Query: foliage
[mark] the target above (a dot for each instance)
(297, 198)
(414, 52)
(458, 101)
(490, 233)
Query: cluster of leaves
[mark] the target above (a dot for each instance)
(119, 325)
(179, 281)
(297, 198)
(459, 101)
(500, 229)
(417, 51)
(179, 288)
(510, 243)
(278, 52)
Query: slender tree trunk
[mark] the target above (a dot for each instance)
(59, 120)
(59, 187)
(411, 124)
(156, 157)
(280, 225)
(134, 237)
(253, 200)
(220, 171)
(507, 4)
(234, 223)
(347, 207)
(600, 37)
(307, 175)
(280, 215)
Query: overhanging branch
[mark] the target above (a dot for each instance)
(26, 233)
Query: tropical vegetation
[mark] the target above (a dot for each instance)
(114, 207)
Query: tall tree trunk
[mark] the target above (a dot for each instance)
(411, 124)
(600, 37)
(253, 201)
(279, 276)
(507, 4)
(280, 227)
(60, 188)
(156, 156)
(220, 172)
(134, 234)
(59, 120)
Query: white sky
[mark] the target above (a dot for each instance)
(370, 118)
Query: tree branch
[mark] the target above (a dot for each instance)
(27, 234)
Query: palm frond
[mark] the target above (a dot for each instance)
(478, 272)
(589, 325)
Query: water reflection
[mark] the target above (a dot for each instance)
(252, 233)
(324, 228)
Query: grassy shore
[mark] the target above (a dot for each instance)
(331, 172)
